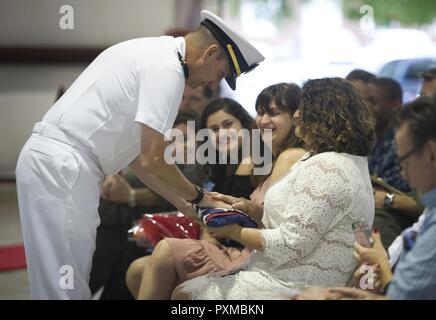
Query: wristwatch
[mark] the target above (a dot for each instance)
(132, 198)
(389, 199)
(200, 195)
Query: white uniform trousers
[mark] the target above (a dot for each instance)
(58, 186)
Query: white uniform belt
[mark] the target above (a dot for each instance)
(53, 132)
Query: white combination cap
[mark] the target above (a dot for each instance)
(242, 56)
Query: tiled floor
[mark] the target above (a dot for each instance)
(13, 284)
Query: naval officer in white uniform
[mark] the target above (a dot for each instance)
(115, 114)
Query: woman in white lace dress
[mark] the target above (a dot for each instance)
(307, 237)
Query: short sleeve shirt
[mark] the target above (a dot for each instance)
(135, 82)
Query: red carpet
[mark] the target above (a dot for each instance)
(12, 257)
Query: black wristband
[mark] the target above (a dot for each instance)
(200, 195)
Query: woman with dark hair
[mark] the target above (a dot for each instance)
(234, 179)
(186, 259)
(307, 237)
(275, 108)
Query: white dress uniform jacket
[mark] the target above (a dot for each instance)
(91, 131)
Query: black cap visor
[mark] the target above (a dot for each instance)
(231, 81)
(224, 41)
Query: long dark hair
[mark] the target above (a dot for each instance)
(217, 172)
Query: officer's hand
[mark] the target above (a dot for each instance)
(227, 199)
(245, 205)
(106, 186)
(210, 202)
(116, 189)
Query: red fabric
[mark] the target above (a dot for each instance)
(12, 257)
(156, 227)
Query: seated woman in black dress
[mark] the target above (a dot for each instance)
(232, 179)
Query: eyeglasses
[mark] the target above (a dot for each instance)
(400, 161)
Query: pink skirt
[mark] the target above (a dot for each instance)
(193, 258)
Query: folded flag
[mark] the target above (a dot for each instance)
(220, 217)
(155, 227)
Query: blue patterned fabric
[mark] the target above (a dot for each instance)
(382, 162)
(218, 217)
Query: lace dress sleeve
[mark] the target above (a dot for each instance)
(310, 203)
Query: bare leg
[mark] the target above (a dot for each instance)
(134, 275)
(159, 278)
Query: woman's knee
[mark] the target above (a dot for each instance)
(137, 266)
(162, 253)
(135, 270)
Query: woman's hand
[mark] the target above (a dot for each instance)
(317, 293)
(372, 256)
(249, 237)
(116, 189)
(253, 210)
(211, 236)
(353, 293)
(337, 294)
(206, 235)
(377, 258)
(231, 231)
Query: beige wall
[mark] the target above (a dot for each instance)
(28, 91)
(96, 22)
